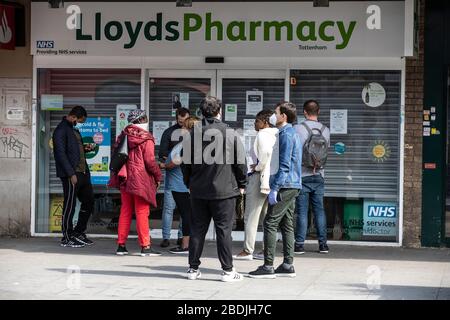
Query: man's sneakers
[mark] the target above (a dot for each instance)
(243, 255)
(165, 243)
(259, 255)
(299, 249)
(323, 248)
(81, 237)
(263, 272)
(121, 250)
(193, 274)
(71, 242)
(231, 276)
(179, 250)
(285, 271)
(149, 251)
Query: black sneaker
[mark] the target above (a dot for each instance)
(81, 237)
(149, 252)
(263, 272)
(165, 243)
(281, 271)
(179, 250)
(121, 250)
(72, 243)
(299, 249)
(323, 248)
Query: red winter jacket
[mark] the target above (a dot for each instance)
(140, 175)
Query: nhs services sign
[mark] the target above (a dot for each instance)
(380, 219)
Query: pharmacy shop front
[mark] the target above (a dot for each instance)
(117, 56)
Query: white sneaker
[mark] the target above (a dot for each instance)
(193, 274)
(231, 276)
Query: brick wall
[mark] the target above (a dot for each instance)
(412, 207)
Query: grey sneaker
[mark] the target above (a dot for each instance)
(263, 272)
(281, 271)
(149, 252)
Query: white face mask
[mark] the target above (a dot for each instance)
(273, 120)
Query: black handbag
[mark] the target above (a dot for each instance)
(120, 155)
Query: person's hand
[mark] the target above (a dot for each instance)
(242, 190)
(74, 179)
(253, 166)
(162, 165)
(158, 184)
(273, 197)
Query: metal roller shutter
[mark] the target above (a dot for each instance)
(355, 174)
(234, 92)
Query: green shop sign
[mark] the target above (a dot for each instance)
(215, 30)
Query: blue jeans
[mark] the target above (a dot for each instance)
(167, 215)
(312, 189)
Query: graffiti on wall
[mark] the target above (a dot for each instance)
(14, 143)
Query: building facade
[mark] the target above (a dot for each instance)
(363, 61)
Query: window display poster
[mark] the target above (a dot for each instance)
(254, 102)
(338, 121)
(96, 134)
(373, 94)
(122, 111)
(380, 218)
(249, 140)
(158, 129)
(56, 210)
(52, 102)
(231, 112)
(179, 100)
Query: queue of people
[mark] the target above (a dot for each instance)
(203, 180)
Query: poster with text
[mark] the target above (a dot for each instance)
(254, 102)
(380, 218)
(231, 112)
(338, 121)
(158, 129)
(96, 134)
(122, 112)
(179, 100)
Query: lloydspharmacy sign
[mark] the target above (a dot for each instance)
(281, 29)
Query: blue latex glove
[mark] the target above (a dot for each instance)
(273, 197)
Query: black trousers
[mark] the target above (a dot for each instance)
(222, 212)
(83, 191)
(183, 201)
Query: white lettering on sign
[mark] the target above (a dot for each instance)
(382, 211)
(374, 20)
(73, 21)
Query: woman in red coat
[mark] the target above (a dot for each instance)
(138, 181)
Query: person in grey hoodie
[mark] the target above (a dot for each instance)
(258, 184)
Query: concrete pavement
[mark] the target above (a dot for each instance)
(38, 268)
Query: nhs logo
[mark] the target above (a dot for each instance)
(382, 211)
(45, 44)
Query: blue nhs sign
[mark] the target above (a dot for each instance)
(382, 211)
(45, 44)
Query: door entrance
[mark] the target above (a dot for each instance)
(243, 93)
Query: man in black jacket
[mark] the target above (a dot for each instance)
(215, 171)
(72, 169)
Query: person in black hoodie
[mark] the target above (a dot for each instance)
(72, 169)
(216, 174)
